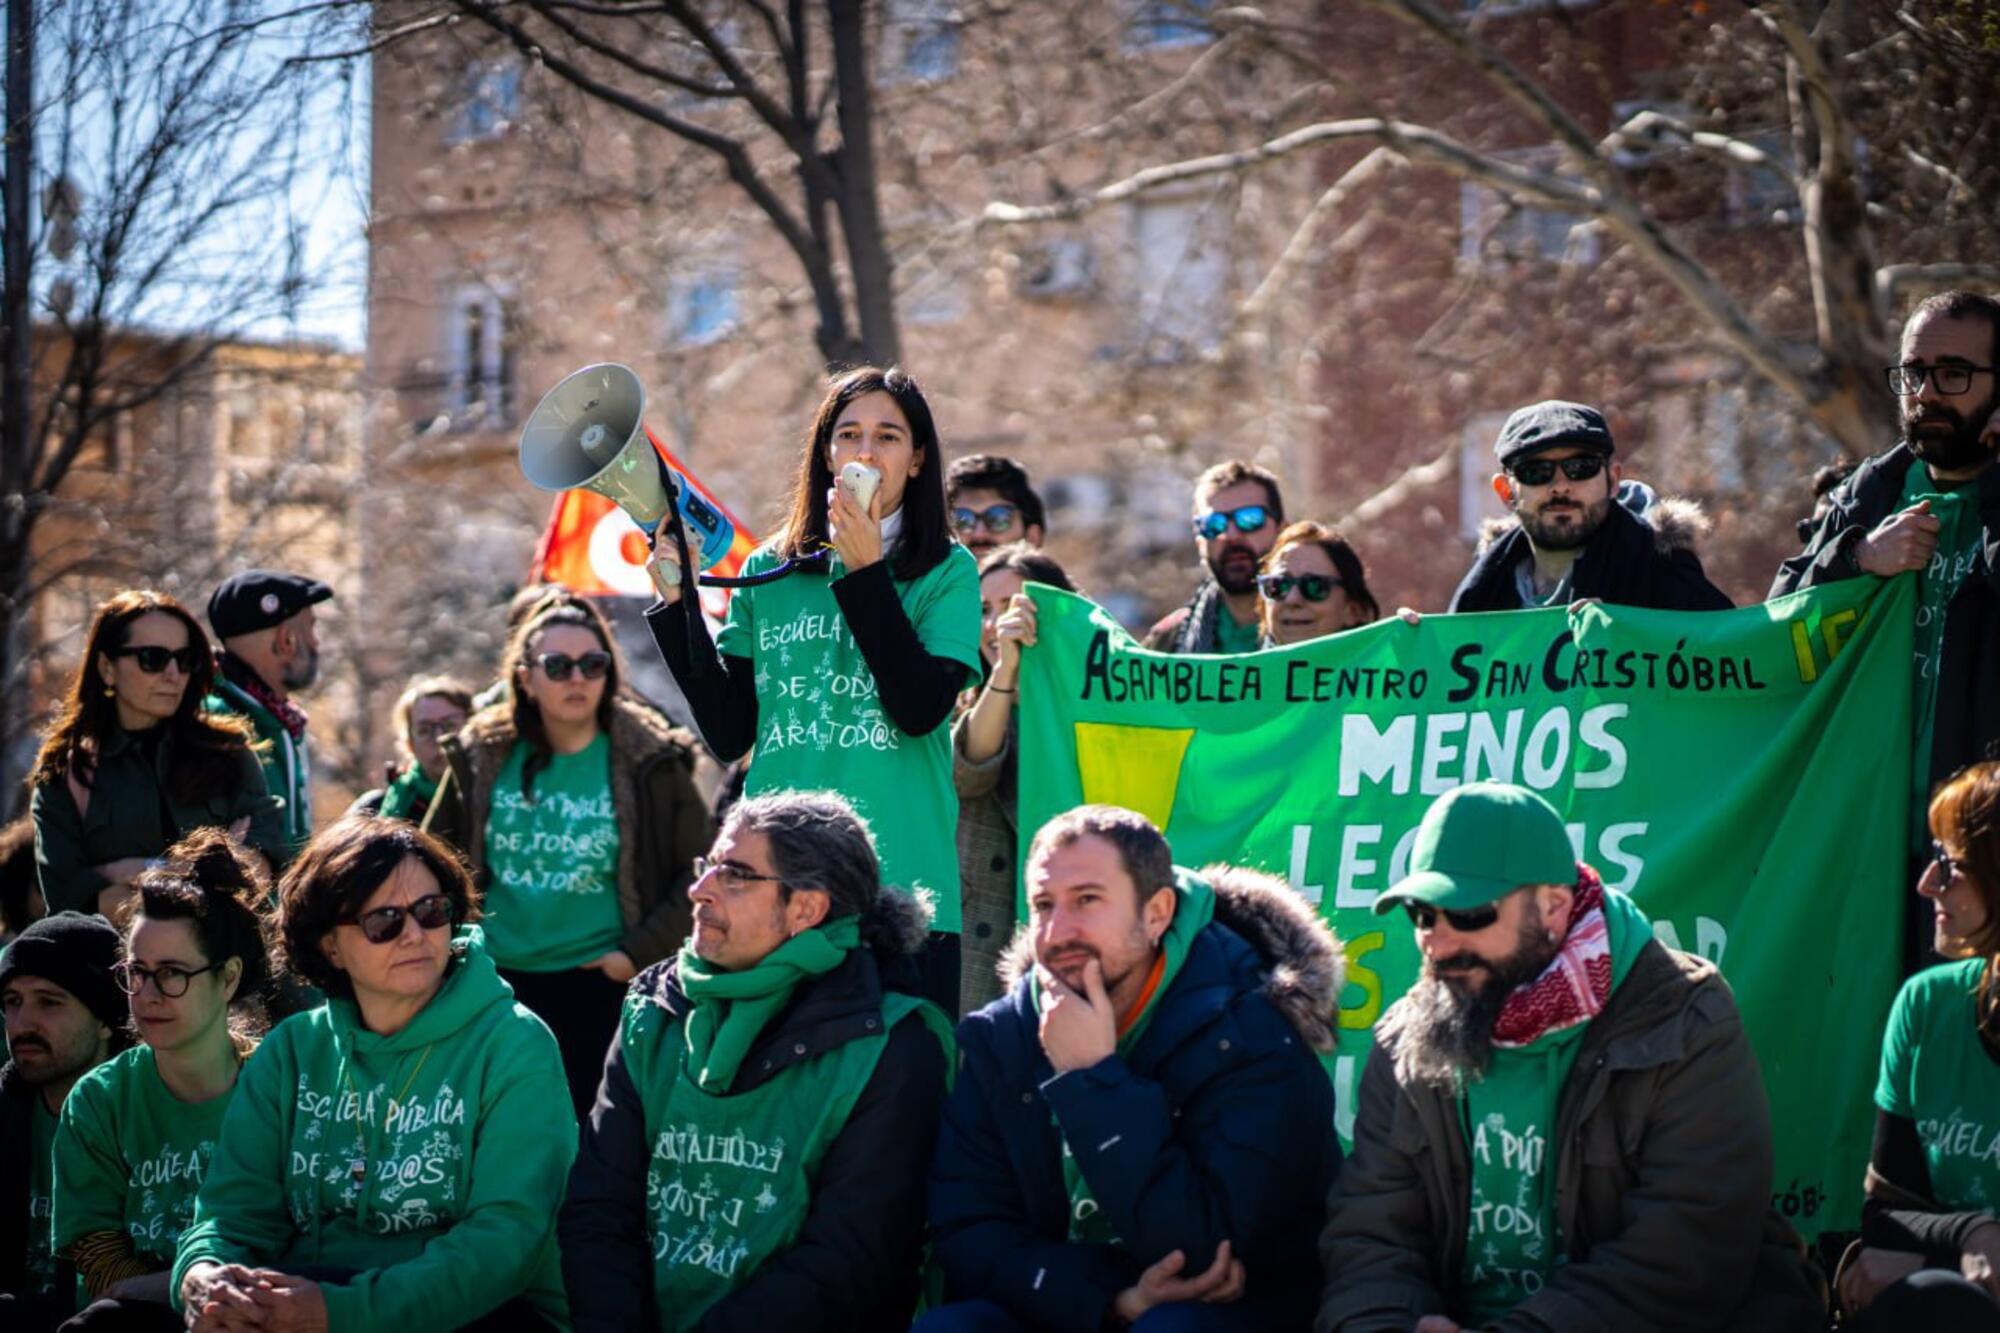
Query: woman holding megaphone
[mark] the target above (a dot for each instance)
(842, 675)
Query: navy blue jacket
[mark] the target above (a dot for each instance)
(1217, 1125)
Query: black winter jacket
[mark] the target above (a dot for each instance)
(1217, 1125)
(1967, 726)
(859, 1256)
(17, 1111)
(1628, 561)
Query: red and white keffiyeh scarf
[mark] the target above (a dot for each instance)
(1572, 989)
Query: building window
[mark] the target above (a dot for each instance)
(1181, 252)
(489, 101)
(702, 307)
(1495, 229)
(1160, 23)
(479, 359)
(921, 37)
(1759, 195)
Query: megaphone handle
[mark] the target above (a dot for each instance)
(701, 648)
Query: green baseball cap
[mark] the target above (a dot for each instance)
(1480, 842)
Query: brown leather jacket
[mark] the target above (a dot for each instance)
(663, 823)
(1663, 1182)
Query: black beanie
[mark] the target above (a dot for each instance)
(75, 951)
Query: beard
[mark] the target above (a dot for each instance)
(1441, 1031)
(1572, 529)
(1948, 439)
(1234, 568)
(1116, 964)
(300, 672)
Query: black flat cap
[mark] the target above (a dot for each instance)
(260, 598)
(1550, 423)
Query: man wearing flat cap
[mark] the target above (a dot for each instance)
(1561, 1124)
(1577, 532)
(65, 1016)
(270, 647)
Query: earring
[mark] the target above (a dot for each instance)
(110, 692)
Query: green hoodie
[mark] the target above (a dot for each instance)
(465, 1138)
(1511, 1247)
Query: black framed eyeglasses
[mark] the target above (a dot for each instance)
(557, 666)
(433, 911)
(1247, 518)
(1951, 378)
(1542, 471)
(169, 979)
(436, 731)
(1312, 587)
(153, 659)
(1470, 922)
(732, 875)
(995, 518)
(1946, 863)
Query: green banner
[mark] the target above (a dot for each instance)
(1741, 774)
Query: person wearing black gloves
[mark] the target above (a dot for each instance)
(843, 673)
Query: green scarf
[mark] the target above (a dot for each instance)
(1193, 911)
(409, 790)
(731, 1008)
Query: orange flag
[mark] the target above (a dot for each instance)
(594, 547)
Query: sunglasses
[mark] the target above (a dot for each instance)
(1312, 587)
(1542, 471)
(1425, 917)
(994, 518)
(557, 666)
(1946, 863)
(153, 659)
(1247, 519)
(433, 911)
(169, 980)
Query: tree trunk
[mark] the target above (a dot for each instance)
(860, 205)
(16, 376)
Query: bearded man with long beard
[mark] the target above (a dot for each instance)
(1561, 1124)
(1931, 506)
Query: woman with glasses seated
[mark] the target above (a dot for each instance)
(1312, 584)
(844, 670)
(138, 1132)
(131, 764)
(392, 1159)
(1929, 1253)
(576, 808)
(984, 766)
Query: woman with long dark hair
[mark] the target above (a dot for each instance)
(138, 1132)
(392, 1159)
(843, 673)
(1930, 1247)
(576, 808)
(984, 765)
(131, 764)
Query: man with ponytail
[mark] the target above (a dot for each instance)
(138, 1132)
(756, 1155)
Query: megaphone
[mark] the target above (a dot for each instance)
(589, 433)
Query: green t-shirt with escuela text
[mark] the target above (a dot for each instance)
(41, 1199)
(130, 1157)
(1957, 554)
(1937, 1073)
(552, 861)
(820, 724)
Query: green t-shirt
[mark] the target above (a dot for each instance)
(1511, 1241)
(130, 1157)
(1957, 555)
(552, 893)
(41, 1199)
(1231, 637)
(1936, 1072)
(821, 726)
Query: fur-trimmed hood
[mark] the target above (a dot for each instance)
(1306, 963)
(1678, 523)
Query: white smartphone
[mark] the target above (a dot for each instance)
(859, 481)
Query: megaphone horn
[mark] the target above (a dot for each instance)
(588, 433)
